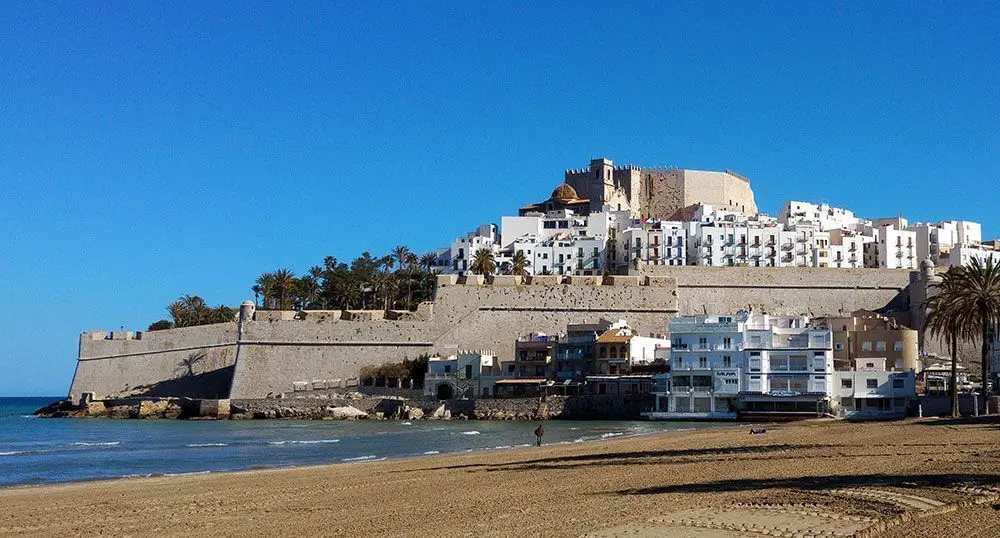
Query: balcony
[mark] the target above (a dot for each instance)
(787, 246)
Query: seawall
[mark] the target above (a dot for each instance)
(276, 352)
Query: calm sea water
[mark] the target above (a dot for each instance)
(38, 451)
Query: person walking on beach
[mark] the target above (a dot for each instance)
(539, 432)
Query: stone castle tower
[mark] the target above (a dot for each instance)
(659, 192)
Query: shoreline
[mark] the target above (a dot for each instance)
(606, 437)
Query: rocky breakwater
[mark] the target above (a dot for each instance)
(183, 408)
(332, 405)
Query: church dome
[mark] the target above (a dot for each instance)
(564, 192)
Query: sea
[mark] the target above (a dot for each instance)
(46, 450)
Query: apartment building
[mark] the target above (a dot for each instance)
(867, 335)
(869, 390)
(534, 355)
(745, 363)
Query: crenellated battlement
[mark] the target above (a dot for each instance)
(538, 281)
(737, 175)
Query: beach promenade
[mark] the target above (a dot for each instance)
(821, 478)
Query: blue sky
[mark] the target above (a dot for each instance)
(149, 150)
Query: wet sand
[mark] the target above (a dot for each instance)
(822, 478)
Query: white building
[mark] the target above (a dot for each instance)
(950, 242)
(824, 216)
(656, 243)
(620, 348)
(847, 249)
(467, 374)
(750, 363)
(869, 391)
(465, 247)
(894, 248)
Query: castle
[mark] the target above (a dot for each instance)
(600, 248)
(647, 192)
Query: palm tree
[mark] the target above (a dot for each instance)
(519, 264)
(402, 255)
(945, 320)
(428, 260)
(178, 313)
(284, 286)
(385, 285)
(257, 289)
(978, 300)
(386, 262)
(483, 262)
(412, 270)
(266, 284)
(307, 288)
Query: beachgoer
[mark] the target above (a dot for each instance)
(539, 432)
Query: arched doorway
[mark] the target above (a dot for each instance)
(445, 391)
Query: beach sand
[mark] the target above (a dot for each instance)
(819, 478)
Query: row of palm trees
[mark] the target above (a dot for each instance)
(400, 279)
(192, 310)
(484, 263)
(966, 306)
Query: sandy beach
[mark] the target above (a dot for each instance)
(823, 478)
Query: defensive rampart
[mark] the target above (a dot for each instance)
(782, 290)
(277, 352)
(122, 363)
(275, 355)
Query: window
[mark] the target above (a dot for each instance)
(702, 362)
(866, 346)
(898, 346)
(871, 383)
(680, 362)
(447, 368)
(879, 346)
(727, 342)
(702, 342)
(897, 383)
(839, 346)
(727, 361)
(846, 383)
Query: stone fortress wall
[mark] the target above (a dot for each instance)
(781, 290)
(275, 351)
(117, 362)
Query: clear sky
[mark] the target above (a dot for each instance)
(152, 149)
